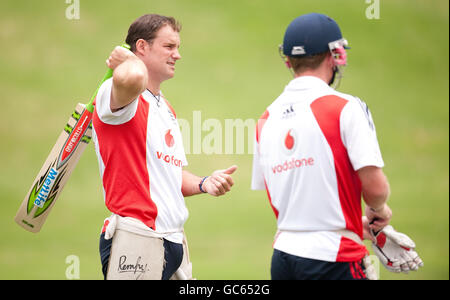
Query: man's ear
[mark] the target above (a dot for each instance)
(330, 60)
(141, 45)
(287, 63)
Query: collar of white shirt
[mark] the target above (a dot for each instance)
(306, 82)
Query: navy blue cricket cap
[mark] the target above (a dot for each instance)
(310, 34)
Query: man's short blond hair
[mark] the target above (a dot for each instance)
(305, 63)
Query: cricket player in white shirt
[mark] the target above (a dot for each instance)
(141, 159)
(316, 154)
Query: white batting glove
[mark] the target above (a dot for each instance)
(396, 250)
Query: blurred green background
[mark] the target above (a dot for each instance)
(230, 69)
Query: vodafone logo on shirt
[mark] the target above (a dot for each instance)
(290, 141)
(170, 159)
(289, 144)
(292, 164)
(170, 141)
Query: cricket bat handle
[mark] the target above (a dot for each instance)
(108, 74)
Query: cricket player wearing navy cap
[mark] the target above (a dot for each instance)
(316, 154)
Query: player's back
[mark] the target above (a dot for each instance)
(311, 183)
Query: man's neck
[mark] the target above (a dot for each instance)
(154, 86)
(320, 73)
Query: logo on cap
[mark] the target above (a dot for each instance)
(298, 50)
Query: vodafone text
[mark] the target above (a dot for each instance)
(170, 159)
(293, 163)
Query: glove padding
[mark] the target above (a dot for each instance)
(396, 250)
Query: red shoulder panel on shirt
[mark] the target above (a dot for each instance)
(327, 111)
(125, 178)
(262, 120)
(170, 107)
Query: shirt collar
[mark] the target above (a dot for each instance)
(306, 82)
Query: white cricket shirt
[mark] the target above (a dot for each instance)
(309, 143)
(141, 155)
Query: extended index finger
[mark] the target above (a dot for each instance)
(230, 170)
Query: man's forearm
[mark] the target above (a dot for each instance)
(374, 186)
(130, 77)
(217, 184)
(190, 184)
(129, 80)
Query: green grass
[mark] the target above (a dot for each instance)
(229, 69)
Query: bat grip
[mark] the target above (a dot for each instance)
(108, 74)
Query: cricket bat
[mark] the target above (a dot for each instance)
(59, 165)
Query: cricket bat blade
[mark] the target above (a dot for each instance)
(56, 170)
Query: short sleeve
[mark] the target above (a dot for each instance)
(359, 135)
(103, 108)
(257, 172)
